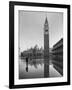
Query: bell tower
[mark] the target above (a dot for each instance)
(46, 48)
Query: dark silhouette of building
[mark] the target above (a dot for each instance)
(33, 53)
(46, 48)
(57, 56)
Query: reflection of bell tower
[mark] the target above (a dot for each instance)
(46, 49)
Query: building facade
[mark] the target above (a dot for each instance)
(57, 56)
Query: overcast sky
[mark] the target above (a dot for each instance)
(31, 28)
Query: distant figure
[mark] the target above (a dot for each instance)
(26, 69)
(26, 64)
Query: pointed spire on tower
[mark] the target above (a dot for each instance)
(46, 21)
(46, 26)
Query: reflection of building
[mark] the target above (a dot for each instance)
(57, 58)
(46, 49)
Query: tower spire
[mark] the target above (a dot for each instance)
(46, 26)
(46, 21)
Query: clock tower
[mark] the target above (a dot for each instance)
(46, 48)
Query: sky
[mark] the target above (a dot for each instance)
(31, 28)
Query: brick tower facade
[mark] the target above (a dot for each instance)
(46, 48)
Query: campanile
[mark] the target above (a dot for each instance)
(46, 48)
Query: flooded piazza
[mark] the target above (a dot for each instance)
(35, 69)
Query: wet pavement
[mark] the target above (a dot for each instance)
(35, 69)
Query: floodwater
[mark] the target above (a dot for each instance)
(35, 69)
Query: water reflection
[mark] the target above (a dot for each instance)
(35, 68)
(33, 62)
